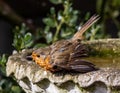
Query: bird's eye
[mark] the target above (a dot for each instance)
(55, 67)
(38, 55)
(78, 40)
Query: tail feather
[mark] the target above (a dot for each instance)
(81, 66)
(87, 25)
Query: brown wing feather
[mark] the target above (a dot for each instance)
(67, 55)
(81, 66)
(80, 51)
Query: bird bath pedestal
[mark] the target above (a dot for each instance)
(34, 79)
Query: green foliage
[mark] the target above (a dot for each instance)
(22, 38)
(7, 85)
(94, 33)
(3, 60)
(56, 1)
(60, 25)
(109, 9)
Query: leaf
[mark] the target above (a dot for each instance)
(52, 10)
(49, 22)
(28, 40)
(21, 38)
(56, 1)
(67, 32)
(3, 60)
(40, 45)
(28, 37)
(49, 37)
(98, 5)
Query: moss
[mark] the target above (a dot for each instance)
(104, 53)
(104, 47)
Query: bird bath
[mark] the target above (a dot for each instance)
(105, 54)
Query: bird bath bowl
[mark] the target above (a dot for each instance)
(104, 53)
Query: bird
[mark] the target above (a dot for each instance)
(67, 55)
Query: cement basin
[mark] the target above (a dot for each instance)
(105, 54)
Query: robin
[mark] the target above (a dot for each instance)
(66, 54)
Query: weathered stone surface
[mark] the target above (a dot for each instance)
(34, 79)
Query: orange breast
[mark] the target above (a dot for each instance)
(42, 62)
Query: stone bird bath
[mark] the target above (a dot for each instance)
(105, 54)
